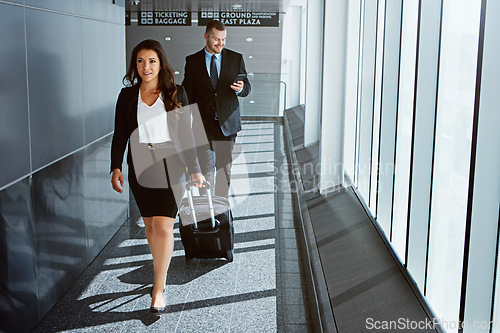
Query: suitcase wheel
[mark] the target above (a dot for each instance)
(230, 255)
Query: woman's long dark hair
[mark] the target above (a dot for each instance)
(166, 79)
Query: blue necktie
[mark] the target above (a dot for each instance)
(214, 78)
(213, 72)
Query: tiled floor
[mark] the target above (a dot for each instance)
(261, 291)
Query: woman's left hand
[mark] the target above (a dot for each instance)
(198, 178)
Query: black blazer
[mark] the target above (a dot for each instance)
(179, 125)
(199, 89)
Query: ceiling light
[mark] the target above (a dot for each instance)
(168, 39)
(251, 102)
(249, 39)
(250, 57)
(236, 6)
(176, 72)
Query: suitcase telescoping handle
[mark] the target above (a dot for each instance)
(207, 185)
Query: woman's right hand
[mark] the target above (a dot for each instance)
(115, 178)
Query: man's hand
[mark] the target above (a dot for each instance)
(237, 86)
(115, 178)
(198, 178)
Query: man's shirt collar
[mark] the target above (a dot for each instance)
(209, 55)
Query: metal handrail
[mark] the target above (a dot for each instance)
(273, 81)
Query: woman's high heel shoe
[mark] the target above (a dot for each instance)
(157, 309)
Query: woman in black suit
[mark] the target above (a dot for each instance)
(157, 186)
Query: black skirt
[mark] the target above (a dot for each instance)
(162, 178)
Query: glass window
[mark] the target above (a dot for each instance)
(404, 126)
(351, 94)
(388, 113)
(429, 36)
(485, 210)
(376, 108)
(456, 91)
(365, 117)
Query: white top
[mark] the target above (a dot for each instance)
(152, 121)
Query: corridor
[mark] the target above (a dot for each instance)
(261, 291)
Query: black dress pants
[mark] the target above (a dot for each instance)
(216, 158)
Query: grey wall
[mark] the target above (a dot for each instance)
(60, 75)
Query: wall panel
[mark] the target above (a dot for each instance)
(103, 10)
(14, 126)
(105, 209)
(97, 88)
(16, 1)
(18, 275)
(55, 85)
(61, 241)
(67, 6)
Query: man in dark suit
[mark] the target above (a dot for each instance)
(210, 81)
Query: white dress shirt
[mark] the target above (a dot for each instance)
(152, 121)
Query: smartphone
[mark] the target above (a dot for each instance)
(240, 77)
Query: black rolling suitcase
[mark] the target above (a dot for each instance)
(206, 226)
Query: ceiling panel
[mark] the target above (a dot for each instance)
(198, 5)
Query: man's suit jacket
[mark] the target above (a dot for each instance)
(200, 90)
(179, 125)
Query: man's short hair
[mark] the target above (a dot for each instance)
(214, 24)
